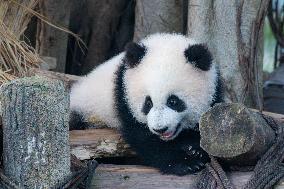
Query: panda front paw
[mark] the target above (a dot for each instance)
(196, 154)
(180, 169)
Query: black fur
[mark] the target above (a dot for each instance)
(199, 56)
(134, 53)
(180, 156)
(178, 104)
(76, 121)
(148, 104)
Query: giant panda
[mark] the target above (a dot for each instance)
(155, 92)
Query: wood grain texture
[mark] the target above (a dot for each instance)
(141, 177)
(96, 143)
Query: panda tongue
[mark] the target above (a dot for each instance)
(167, 134)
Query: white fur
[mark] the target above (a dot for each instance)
(93, 94)
(163, 71)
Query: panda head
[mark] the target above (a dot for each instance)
(169, 81)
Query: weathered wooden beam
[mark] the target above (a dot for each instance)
(138, 177)
(236, 133)
(96, 143)
(35, 114)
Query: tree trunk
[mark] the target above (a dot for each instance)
(105, 26)
(35, 127)
(233, 32)
(158, 16)
(51, 41)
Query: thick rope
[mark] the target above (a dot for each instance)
(270, 168)
(214, 177)
(267, 172)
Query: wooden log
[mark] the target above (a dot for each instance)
(35, 126)
(138, 177)
(96, 143)
(234, 132)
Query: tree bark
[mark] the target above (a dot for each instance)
(35, 127)
(233, 32)
(51, 41)
(158, 16)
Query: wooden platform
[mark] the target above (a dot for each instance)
(141, 177)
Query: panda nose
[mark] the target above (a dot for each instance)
(162, 130)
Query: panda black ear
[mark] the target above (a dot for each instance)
(199, 56)
(134, 53)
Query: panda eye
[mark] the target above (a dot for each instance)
(147, 105)
(172, 102)
(175, 103)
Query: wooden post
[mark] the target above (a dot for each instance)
(35, 114)
(235, 133)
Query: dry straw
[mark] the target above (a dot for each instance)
(16, 56)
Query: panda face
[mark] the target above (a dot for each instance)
(166, 120)
(170, 83)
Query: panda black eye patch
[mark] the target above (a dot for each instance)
(176, 103)
(148, 104)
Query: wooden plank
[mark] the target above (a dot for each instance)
(95, 143)
(141, 177)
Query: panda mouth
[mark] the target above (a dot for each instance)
(171, 134)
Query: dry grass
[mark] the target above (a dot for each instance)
(16, 57)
